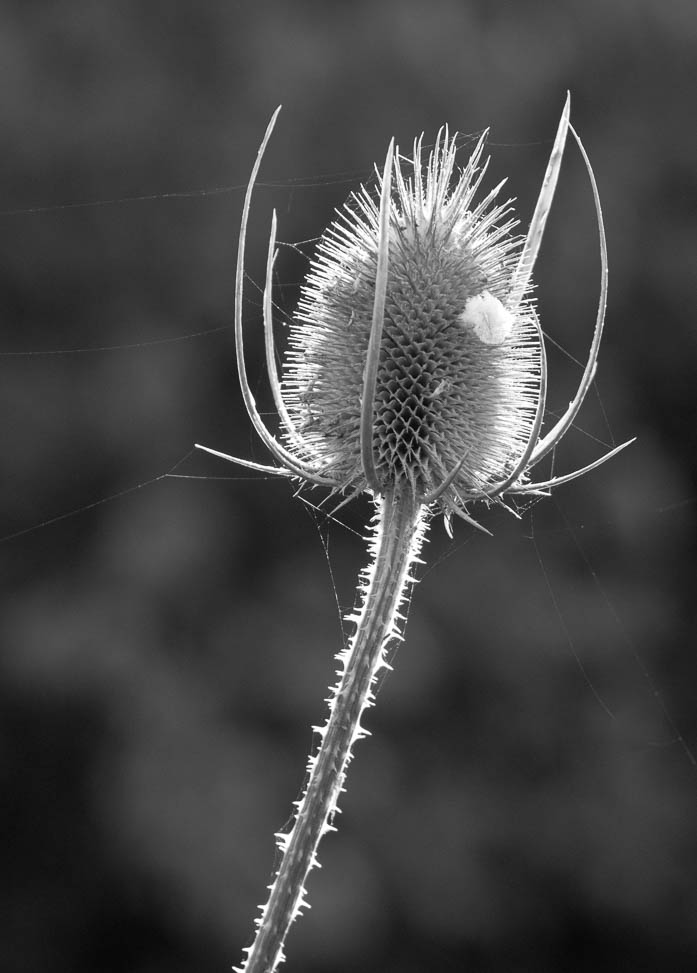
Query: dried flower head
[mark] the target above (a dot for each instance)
(459, 367)
(416, 360)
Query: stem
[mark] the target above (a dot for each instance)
(399, 525)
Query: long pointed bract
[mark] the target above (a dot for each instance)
(373, 356)
(281, 454)
(568, 477)
(560, 427)
(526, 264)
(259, 467)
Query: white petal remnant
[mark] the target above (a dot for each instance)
(488, 318)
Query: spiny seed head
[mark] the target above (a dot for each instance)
(460, 354)
(416, 362)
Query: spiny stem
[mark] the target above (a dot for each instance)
(400, 525)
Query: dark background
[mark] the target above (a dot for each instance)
(165, 654)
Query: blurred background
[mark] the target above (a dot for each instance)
(528, 800)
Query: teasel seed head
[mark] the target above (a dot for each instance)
(459, 366)
(416, 362)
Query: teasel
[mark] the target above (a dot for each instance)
(416, 373)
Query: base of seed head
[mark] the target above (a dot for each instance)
(416, 362)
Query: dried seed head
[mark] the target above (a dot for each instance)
(459, 367)
(416, 361)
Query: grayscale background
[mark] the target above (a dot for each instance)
(524, 804)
